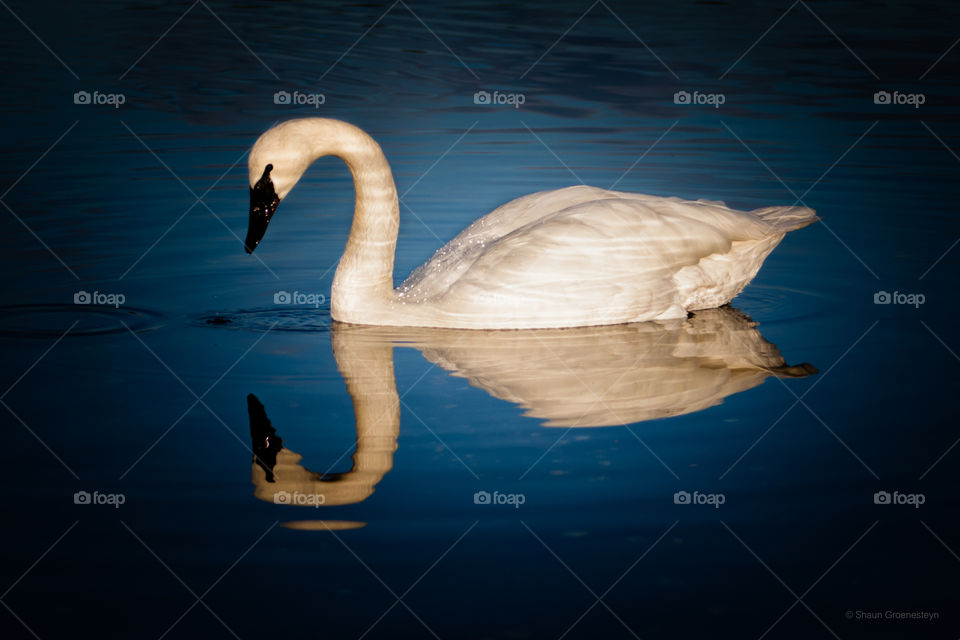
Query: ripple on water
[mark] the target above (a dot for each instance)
(768, 304)
(764, 303)
(45, 320)
(307, 319)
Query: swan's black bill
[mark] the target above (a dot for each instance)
(263, 202)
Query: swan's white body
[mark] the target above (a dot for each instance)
(573, 257)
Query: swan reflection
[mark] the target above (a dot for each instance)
(580, 377)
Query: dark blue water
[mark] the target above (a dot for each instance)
(161, 402)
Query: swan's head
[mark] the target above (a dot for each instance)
(277, 161)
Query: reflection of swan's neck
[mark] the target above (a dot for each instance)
(368, 372)
(364, 278)
(278, 473)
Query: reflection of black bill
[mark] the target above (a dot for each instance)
(263, 203)
(266, 443)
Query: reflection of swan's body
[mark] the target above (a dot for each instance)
(599, 376)
(590, 376)
(579, 256)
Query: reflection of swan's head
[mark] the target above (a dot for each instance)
(266, 443)
(278, 473)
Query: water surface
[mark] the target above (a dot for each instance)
(165, 399)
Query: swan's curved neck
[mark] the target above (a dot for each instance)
(364, 277)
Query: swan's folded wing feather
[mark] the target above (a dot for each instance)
(735, 225)
(609, 256)
(451, 261)
(448, 263)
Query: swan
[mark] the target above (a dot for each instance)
(578, 256)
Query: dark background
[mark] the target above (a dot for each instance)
(106, 199)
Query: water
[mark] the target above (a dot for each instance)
(151, 400)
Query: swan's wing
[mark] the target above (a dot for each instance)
(449, 263)
(611, 260)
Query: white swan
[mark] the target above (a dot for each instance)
(573, 257)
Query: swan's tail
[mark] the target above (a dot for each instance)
(785, 219)
(801, 370)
